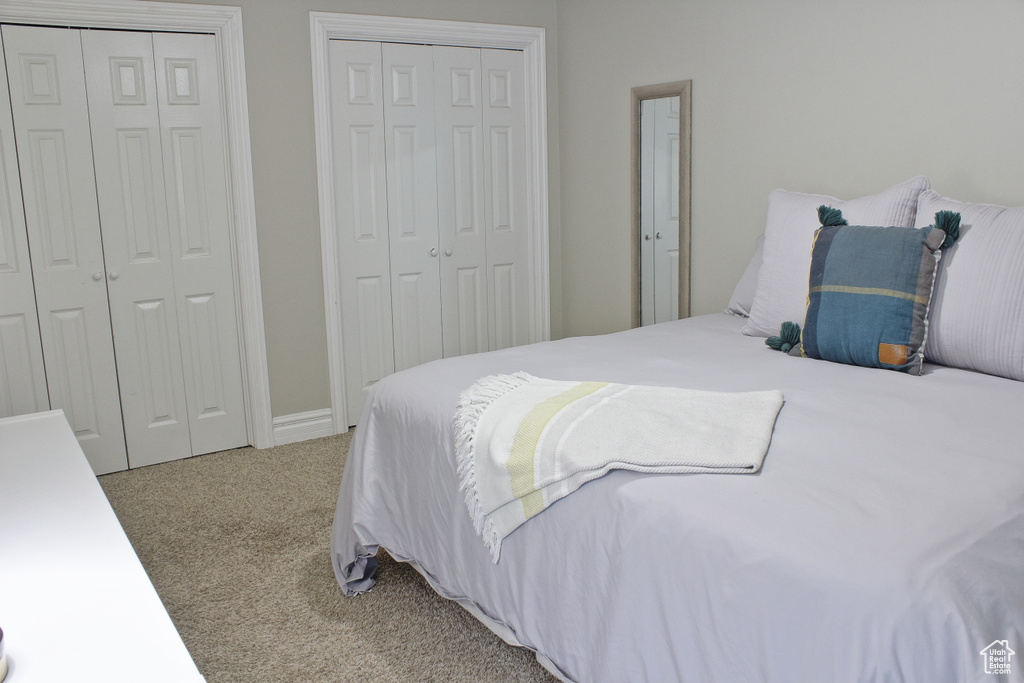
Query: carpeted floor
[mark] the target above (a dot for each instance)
(236, 544)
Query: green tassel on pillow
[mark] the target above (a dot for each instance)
(949, 223)
(789, 337)
(830, 217)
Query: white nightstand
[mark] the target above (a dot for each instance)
(75, 603)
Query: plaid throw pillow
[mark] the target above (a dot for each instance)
(869, 291)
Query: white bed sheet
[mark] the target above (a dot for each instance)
(883, 539)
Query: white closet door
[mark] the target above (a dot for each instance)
(47, 83)
(411, 160)
(460, 197)
(125, 124)
(508, 240)
(200, 220)
(666, 209)
(22, 379)
(360, 195)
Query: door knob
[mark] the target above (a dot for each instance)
(647, 237)
(433, 252)
(657, 236)
(114, 275)
(447, 252)
(97, 276)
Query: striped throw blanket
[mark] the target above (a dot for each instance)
(523, 442)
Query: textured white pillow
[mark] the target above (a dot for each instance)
(743, 295)
(977, 314)
(781, 293)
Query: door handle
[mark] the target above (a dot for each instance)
(657, 236)
(114, 275)
(433, 252)
(97, 276)
(447, 252)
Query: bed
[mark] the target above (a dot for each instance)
(882, 540)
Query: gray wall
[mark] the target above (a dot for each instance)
(838, 96)
(279, 78)
(832, 96)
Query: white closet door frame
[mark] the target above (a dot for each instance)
(226, 24)
(325, 26)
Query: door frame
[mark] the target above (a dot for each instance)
(225, 23)
(326, 26)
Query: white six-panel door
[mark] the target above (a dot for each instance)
(504, 123)
(460, 190)
(121, 84)
(47, 83)
(199, 216)
(22, 378)
(360, 191)
(448, 134)
(140, 249)
(411, 159)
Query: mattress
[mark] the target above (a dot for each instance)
(882, 540)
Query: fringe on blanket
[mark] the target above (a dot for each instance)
(472, 404)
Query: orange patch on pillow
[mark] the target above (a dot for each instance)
(892, 354)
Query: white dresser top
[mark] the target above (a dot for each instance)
(75, 602)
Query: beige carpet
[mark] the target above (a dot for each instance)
(236, 544)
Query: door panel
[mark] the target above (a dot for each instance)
(47, 85)
(460, 190)
(507, 236)
(360, 195)
(411, 161)
(125, 125)
(452, 278)
(199, 217)
(22, 379)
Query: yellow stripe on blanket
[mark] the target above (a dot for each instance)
(524, 446)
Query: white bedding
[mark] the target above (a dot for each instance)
(883, 539)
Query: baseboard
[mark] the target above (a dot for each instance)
(303, 426)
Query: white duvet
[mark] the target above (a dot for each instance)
(882, 540)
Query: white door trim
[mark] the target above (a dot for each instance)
(226, 24)
(325, 26)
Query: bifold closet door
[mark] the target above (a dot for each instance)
(158, 151)
(51, 120)
(194, 146)
(460, 191)
(481, 165)
(505, 198)
(411, 159)
(132, 262)
(360, 199)
(22, 378)
(125, 128)
(429, 153)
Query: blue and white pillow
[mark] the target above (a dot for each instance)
(869, 291)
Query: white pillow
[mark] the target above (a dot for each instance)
(743, 295)
(781, 292)
(977, 315)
